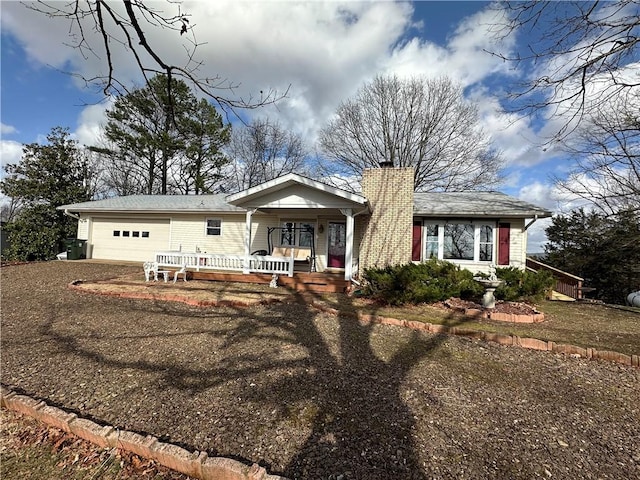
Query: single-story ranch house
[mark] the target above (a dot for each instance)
(295, 220)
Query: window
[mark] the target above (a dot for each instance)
(116, 233)
(125, 233)
(297, 234)
(214, 226)
(432, 241)
(486, 243)
(305, 235)
(145, 234)
(136, 234)
(288, 234)
(459, 241)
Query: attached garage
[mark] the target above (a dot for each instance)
(128, 239)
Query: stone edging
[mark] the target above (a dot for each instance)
(502, 339)
(499, 316)
(75, 285)
(195, 464)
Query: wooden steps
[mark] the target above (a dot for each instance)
(301, 281)
(561, 297)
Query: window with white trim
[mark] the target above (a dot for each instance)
(459, 241)
(297, 234)
(214, 226)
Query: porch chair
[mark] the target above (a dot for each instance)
(182, 271)
(149, 268)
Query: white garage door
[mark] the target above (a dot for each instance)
(129, 239)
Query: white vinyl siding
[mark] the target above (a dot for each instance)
(518, 243)
(188, 233)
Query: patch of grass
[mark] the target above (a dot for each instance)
(583, 324)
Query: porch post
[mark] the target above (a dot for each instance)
(247, 242)
(348, 253)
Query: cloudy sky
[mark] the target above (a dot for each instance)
(321, 52)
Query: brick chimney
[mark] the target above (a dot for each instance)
(386, 237)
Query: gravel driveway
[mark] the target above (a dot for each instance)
(309, 395)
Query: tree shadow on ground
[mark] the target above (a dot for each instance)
(343, 387)
(351, 395)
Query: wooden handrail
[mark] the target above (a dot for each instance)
(544, 266)
(566, 283)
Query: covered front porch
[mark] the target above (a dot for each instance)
(253, 269)
(314, 223)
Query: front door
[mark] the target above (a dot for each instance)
(337, 244)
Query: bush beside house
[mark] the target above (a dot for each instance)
(437, 280)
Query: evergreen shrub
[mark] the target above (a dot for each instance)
(427, 282)
(438, 280)
(523, 285)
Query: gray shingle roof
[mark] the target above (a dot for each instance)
(473, 204)
(156, 203)
(429, 204)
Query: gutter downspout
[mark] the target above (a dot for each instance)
(526, 227)
(364, 210)
(72, 215)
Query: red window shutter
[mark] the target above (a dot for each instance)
(504, 240)
(417, 242)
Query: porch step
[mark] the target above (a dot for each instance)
(560, 297)
(315, 282)
(301, 281)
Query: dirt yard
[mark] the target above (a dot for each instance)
(309, 395)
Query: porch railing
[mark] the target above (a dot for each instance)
(567, 284)
(235, 263)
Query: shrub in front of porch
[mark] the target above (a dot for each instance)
(427, 282)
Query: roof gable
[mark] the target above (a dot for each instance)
(294, 191)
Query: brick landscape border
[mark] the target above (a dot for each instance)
(502, 339)
(198, 464)
(77, 285)
(195, 464)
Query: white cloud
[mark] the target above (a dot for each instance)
(323, 51)
(550, 197)
(536, 236)
(7, 129)
(40, 35)
(92, 118)
(10, 153)
(542, 195)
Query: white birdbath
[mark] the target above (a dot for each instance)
(490, 285)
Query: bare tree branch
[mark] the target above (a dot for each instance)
(422, 123)
(262, 151)
(581, 55)
(607, 155)
(126, 27)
